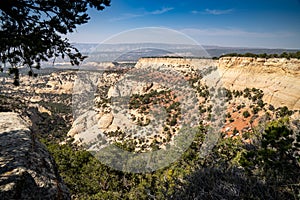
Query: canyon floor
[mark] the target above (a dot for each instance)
(142, 108)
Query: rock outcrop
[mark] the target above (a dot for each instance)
(27, 169)
(279, 78)
(59, 83)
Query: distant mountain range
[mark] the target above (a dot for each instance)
(132, 52)
(175, 49)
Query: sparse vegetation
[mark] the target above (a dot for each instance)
(250, 164)
(274, 160)
(283, 111)
(264, 55)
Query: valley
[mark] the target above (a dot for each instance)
(214, 112)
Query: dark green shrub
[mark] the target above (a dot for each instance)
(274, 159)
(246, 114)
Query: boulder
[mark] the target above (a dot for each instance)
(105, 121)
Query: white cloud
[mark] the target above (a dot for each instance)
(213, 12)
(125, 16)
(161, 11)
(235, 37)
(218, 12)
(132, 15)
(233, 32)
(195, 12)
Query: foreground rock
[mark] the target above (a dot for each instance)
(27, 170)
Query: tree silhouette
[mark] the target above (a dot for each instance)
(31, 31)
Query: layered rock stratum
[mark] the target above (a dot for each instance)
(276, 79)
(279, 78)
(27, 169)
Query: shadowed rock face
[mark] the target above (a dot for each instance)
(27, 169)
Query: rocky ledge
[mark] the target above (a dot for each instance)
(27, 169)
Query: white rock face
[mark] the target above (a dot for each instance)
(83, 122)
(279, 78)
(105, 121)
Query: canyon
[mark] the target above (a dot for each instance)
(279, 78)
(275, 80)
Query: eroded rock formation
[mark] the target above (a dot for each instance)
(279, 78)
(27, 169)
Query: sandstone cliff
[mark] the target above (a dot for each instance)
(27, 170)
(279, 78)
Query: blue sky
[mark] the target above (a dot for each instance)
(233, 23)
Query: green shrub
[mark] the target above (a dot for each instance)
(246, 114)
(274, 159)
